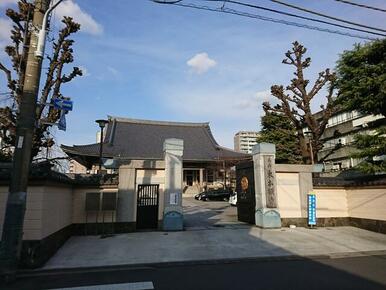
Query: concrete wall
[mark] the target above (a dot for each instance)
(49, 209)
(129, 178)
(331, 202)
(78, 206)
(57, 209)
(288, 194)
(368, 203)
(132, 174)
(293, 182)
(52, 207)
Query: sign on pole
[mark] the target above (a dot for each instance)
(62, 122)
(62, 104)
(311, 199)
(174, 198)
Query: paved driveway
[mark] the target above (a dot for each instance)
(209, 214)
(215, 244)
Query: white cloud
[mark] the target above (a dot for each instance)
(201, 63)
(7, 2)
(88, 24)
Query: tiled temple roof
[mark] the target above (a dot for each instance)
(143, 139)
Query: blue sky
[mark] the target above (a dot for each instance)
(161, 62)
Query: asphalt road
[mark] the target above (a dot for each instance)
(345, 273)
(207, 214)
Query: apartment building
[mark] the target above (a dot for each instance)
(245, 140)
(339, 136)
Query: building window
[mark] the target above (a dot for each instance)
(342, 117)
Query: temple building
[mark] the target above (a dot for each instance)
(206, 164)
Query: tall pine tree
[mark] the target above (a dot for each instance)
(361, 82)
(279, 130)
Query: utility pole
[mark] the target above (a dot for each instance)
(312, 153)
(16, 204)
(102, 124)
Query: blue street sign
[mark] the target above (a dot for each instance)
(311, 199)
(62, 122)
(61, 104)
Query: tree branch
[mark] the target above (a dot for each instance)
(11, 83)
(75, 72)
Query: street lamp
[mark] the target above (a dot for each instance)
(39, 52)
(311, 152)
(102, 123)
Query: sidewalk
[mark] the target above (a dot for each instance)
(229, 242)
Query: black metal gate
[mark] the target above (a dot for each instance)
(147, 206)
(245, 187)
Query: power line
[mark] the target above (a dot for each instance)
(326, 16)
(281, 21)
(294, 15)
(362, 5)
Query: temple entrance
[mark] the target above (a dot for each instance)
(191, 177)
(192, 181)
(214, 211)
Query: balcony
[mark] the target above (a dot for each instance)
(363, 121)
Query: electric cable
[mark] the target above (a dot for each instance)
(362, 5)
(326, 16)
(293, 15)
(281, 21)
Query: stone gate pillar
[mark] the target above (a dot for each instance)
(173, 214)
(267, 213)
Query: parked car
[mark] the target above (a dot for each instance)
(198, 196)
(218, 194)
(233, 199)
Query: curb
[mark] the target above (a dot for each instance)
(153, 266)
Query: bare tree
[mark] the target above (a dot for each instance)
(17, 51)
(295, 101)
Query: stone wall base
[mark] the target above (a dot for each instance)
(103, 228)
(366, 224)
(267, 218)
(35, 253)
(173, 221)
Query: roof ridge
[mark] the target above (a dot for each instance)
(83, 145)
(155, 122)
(232, 150)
